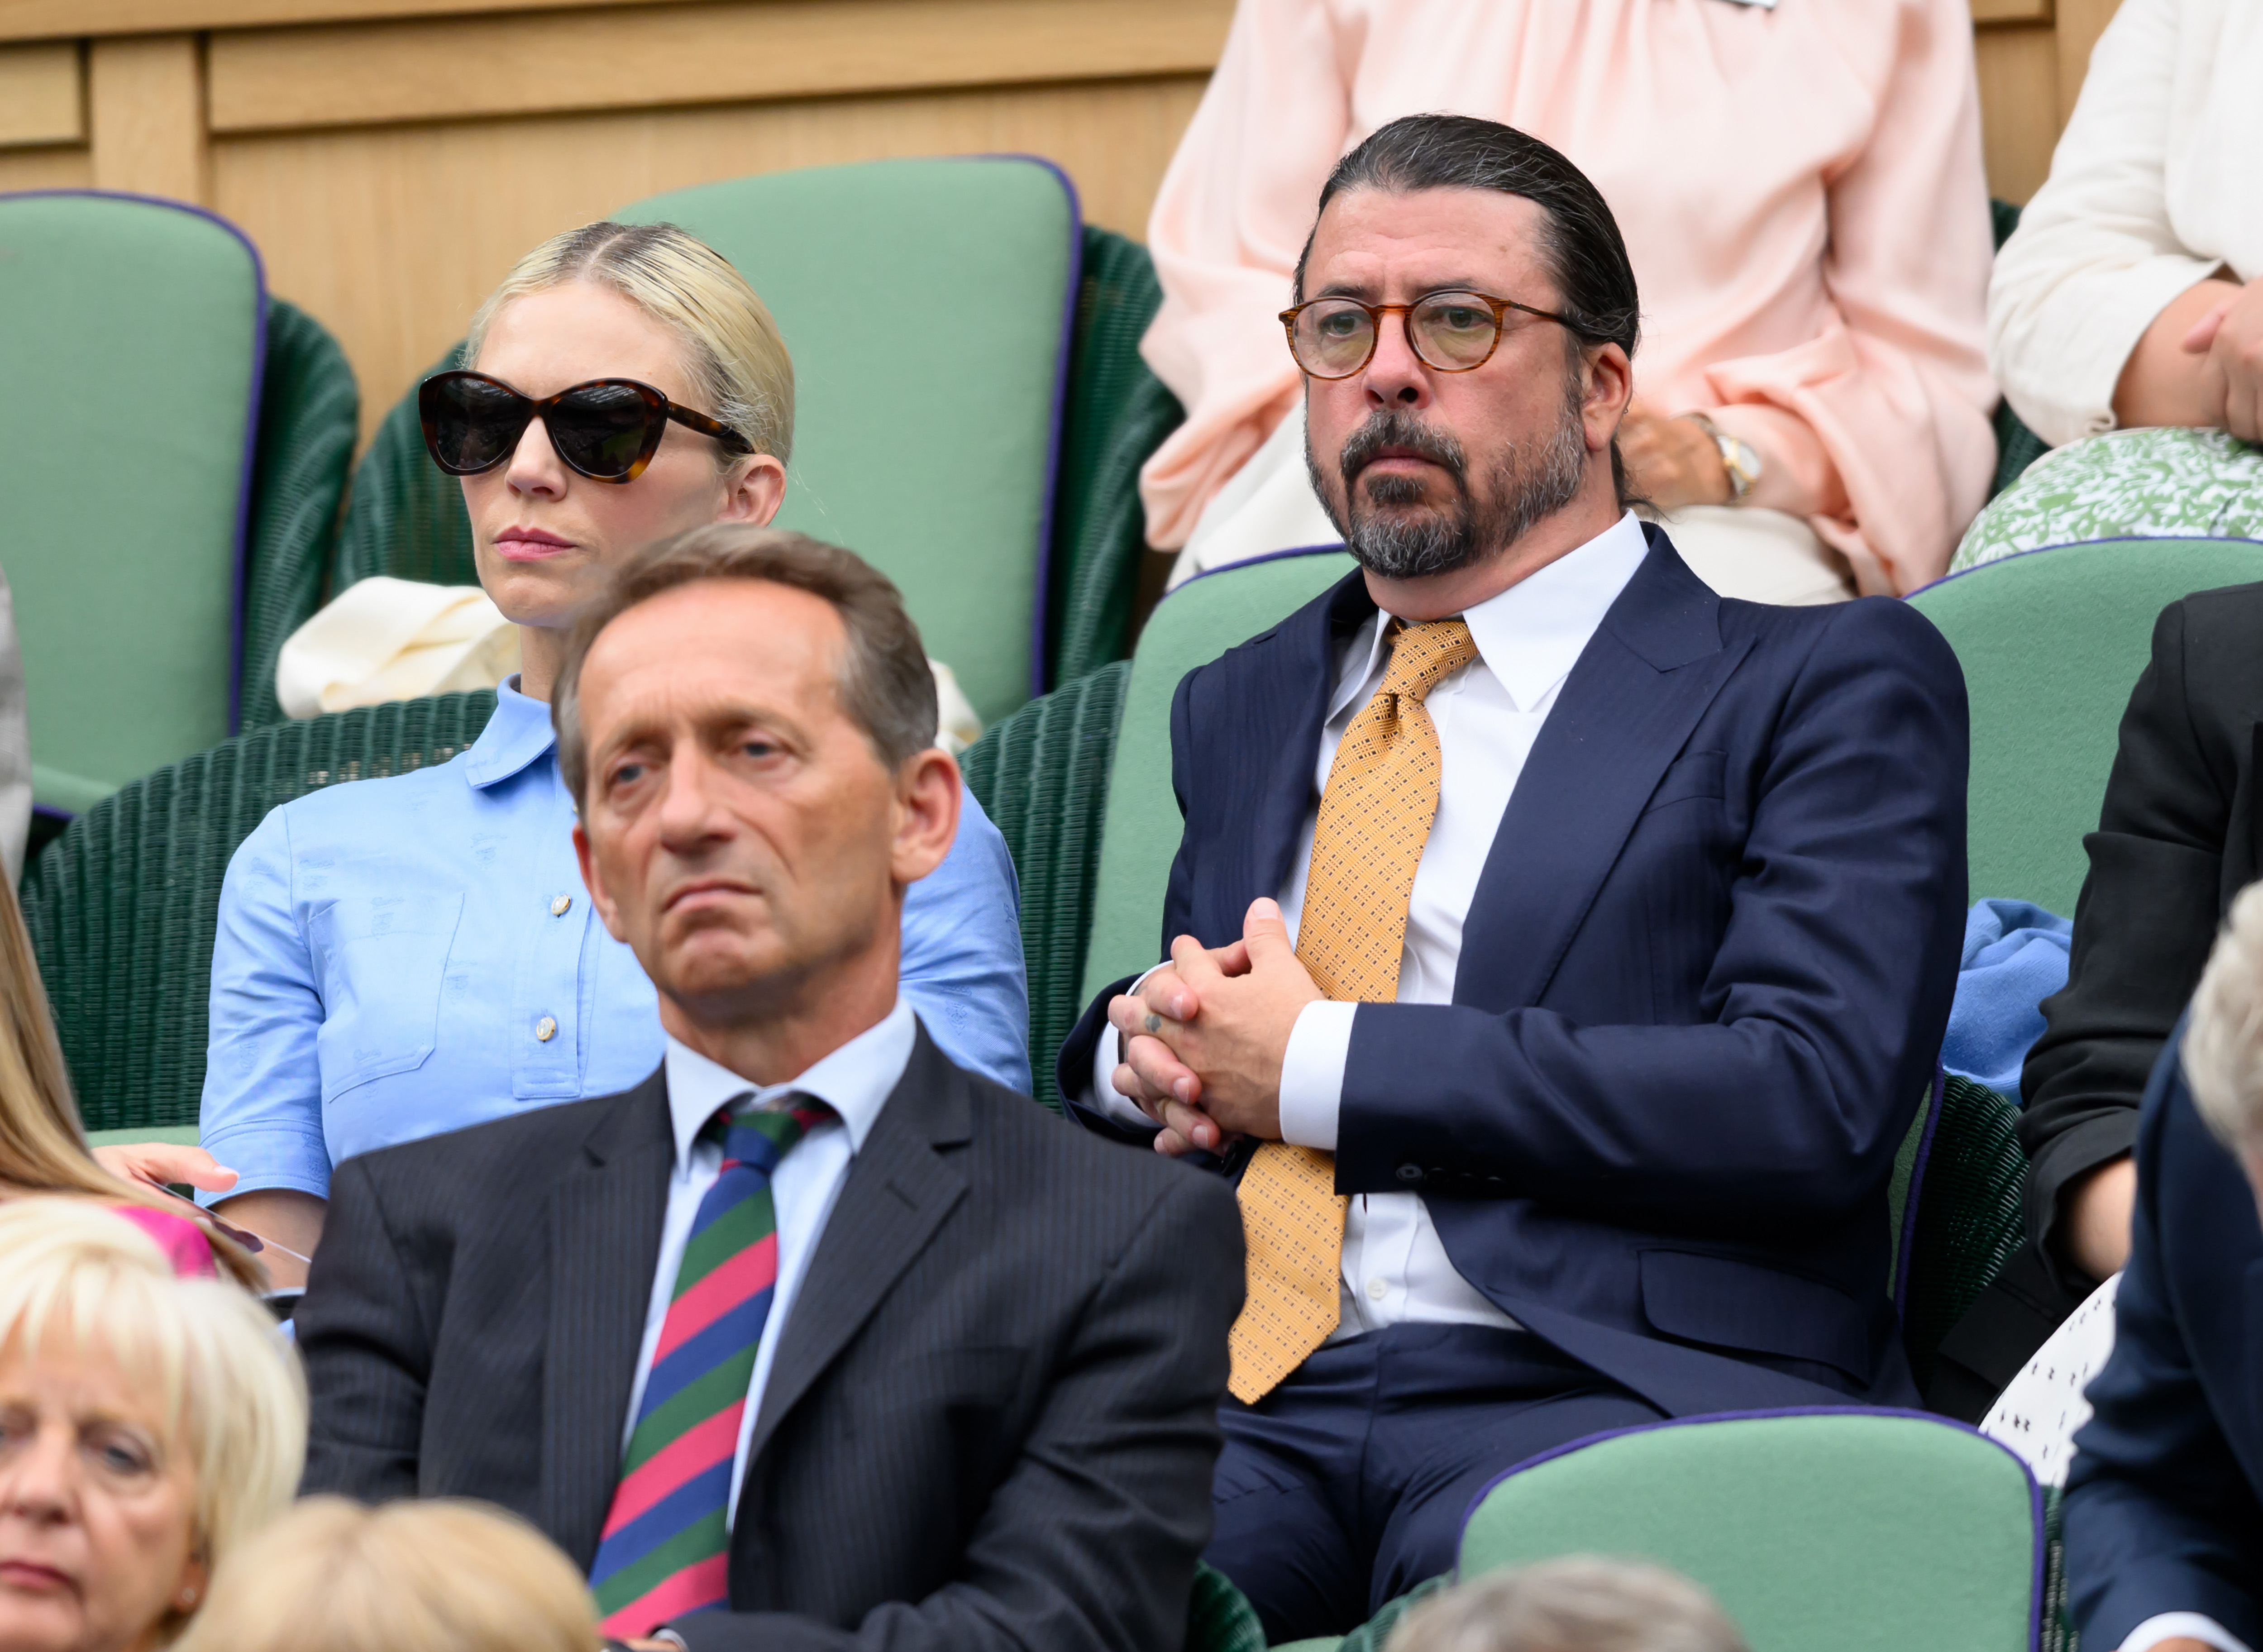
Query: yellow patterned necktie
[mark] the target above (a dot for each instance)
(1374, 817)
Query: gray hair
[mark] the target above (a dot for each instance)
(886, 686)
(2222, 1051)
(1581, 1602)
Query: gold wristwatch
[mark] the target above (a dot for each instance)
(1739, 458)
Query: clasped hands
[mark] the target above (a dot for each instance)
(1204, 1037)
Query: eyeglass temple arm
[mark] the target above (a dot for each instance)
(705, 426)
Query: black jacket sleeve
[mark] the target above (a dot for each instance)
(2143, 927)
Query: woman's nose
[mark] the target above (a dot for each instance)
(534, 464)
(37, 1480)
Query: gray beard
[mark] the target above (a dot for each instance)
(1530, 483)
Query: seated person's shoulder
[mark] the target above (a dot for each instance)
(1868, 635)
(503, 1159)
(1056, 1161)
(361, 816)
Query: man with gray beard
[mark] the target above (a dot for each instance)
(1557, 951)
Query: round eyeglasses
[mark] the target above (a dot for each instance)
(1452, 331)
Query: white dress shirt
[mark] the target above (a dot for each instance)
(1487, 716)
(855, 1081)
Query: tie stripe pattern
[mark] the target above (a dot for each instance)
(664, 1552)
(1375, 818)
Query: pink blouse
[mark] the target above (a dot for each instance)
(1800, 189)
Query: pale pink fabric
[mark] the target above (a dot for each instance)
(1800, 189)
(181, 1239)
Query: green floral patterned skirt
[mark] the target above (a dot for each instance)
(2125, 484)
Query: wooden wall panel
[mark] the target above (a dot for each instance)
(392, 236)
(2018, 103)
(146, 115)
(45, 169)
(42, 95)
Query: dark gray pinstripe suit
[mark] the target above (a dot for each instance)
(991, 1422)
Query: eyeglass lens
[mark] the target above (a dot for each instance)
(1450, 332)
(601, 429)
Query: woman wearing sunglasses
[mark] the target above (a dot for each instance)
(405, 956)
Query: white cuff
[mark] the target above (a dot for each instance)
(1107, 1051)
(2169, 1625)
(1312, 1074)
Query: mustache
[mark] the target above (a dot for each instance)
(1389, 427)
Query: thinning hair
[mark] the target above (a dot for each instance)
(43, 1146)
(732, 347)
(2222, 1051)
(886, 686)
(440, 1575)
(1581, 1602)
(1580, 240)
(220, 1381)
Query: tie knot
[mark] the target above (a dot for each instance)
(1423, 654)
(760, 1139)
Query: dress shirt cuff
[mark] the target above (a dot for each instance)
(2169, 1626)
(1107, 1051)
(268, 1158)
(1312, 1074)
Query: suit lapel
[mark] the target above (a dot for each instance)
(1628, 707)
(605, 1220)
(898, 1191)
(1286, 703)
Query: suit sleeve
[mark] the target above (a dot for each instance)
(364, 1334)
(1091, 1540)
(2159, 1517)
(2142, 930)
(1827, 995)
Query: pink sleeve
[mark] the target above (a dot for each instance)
(181, 1239)
(1229, 222)
(1896, 383)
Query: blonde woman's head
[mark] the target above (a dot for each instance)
(2223, 1050)
(641, 302)
(148, 1425)
(441, 1576)
(1581, 1602)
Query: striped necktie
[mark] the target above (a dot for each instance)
(1374, 820)
(664, 1550)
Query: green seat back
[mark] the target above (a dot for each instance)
(122, 907)
(1851, 1529)
(1117, 415)
(1042, 776)
(405, 517)
(927, 305)
(1965, 1221)
(1191, 627)
(2051, 642)
(130, 334)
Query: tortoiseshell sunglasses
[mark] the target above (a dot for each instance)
(607, 429)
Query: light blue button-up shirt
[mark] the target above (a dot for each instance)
(405, 956)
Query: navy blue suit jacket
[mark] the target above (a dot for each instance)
(1702, 982)
(2162, 1513)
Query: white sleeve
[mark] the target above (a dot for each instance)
(2169, 1626)
(1312, 1074)
(2094, 259)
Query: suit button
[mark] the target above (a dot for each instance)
(546, 1030)
(1410, 1173)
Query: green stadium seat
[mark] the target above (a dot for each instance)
(122, 907)
(2051, 642)
(1042, 777)
(1962, 1220)
(1851, 1529)
(150, 634)
(405, 519)
(1191, 627)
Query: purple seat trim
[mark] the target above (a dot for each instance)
(2068, 545)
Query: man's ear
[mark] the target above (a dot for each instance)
(1610, 378)
(928, 794)
(594, 881)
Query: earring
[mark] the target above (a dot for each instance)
(188, 1596)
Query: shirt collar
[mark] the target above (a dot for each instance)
(1531, 634)
(854, 1081)
(517, 734)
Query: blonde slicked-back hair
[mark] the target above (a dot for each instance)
(731, 346)
(2223, 1050)
(435, 1576)
(221, 1378)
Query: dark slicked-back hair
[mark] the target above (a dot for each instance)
(1586, 256)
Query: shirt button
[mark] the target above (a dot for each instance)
(1378, 1289)
(546, 1028)
(558, 905)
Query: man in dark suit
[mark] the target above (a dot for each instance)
(2179, 834)
(2165, 1498)
(1625, 917)
(811, 1339)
